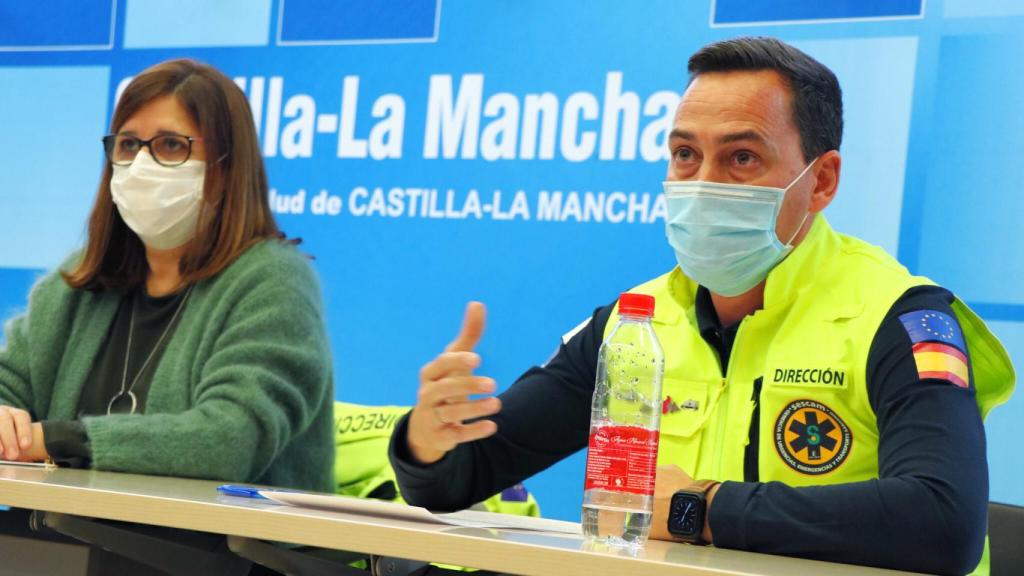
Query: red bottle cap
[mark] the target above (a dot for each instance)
(636, 304)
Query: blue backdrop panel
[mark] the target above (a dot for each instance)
(971, 223)
(1005, 427)
(334, 21)
(514, 152)
(56, 24)
(54, 117)
(766, 11)
(982, 8)
(161, 24)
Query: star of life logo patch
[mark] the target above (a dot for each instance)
(811, 438)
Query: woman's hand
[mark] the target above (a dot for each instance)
(15, 432)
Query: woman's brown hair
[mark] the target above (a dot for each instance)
(235, 212)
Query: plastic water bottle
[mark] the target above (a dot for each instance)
(625, 417)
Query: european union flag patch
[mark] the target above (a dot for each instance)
(938, 344)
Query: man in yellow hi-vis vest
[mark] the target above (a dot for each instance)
(828, 403)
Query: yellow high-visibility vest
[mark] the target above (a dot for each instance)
(806, 351)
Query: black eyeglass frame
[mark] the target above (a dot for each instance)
(110, 139)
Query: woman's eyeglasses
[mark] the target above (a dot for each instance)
(166, 149)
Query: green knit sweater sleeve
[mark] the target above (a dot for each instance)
(254, 348)
(15, 388)
(22, 344)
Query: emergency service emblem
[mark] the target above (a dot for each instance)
(811, 438)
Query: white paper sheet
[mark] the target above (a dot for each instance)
(465, 518)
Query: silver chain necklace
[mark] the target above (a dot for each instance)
(126, 390)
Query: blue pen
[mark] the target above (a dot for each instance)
(241, 491)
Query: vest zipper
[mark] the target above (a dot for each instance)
(750, 455)
(721, 432)
(721, 420)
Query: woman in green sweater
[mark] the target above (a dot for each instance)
(186, 338)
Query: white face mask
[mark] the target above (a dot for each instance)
(724, 234)
(159, 203)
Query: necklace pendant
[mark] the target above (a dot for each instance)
(126, 389)
(128, 394)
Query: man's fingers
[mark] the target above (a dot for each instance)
(454, 389)
(447, 363)
(471, 432)
(458, 413)
(472, 328)
(434, 438)
(446, 384)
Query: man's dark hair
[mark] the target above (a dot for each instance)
(817, 99)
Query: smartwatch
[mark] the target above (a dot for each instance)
(687, 512)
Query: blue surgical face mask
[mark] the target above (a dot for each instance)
(724, 234)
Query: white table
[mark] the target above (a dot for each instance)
(196, 505)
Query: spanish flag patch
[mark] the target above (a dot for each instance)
(938, 344)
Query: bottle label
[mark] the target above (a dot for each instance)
(622, 459)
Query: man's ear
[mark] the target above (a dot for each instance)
(826, 180)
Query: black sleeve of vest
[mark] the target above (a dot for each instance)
(545, 417)
(67, 442)
(927, 510)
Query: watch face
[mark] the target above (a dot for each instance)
(685, 517)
